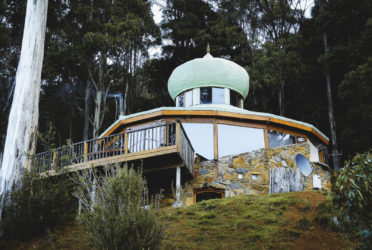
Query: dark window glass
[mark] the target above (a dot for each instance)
(181, 101)
(207, 196)
(234, 98)
(279, 139)
(205, 95)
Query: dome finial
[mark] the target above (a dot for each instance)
(208, 49)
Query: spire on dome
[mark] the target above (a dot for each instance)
(208, 49)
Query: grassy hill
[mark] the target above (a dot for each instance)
(279, 221)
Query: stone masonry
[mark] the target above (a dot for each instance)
(249, 173)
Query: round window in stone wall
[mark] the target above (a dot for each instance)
(303, 164)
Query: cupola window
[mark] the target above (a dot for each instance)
(211, 95)
(181, 102)
(235, 98)
(185, 99)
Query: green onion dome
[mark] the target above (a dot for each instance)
(208, 72)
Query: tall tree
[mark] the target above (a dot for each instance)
(332, 122)
(99, 49)
(11, 25)
(24, 113)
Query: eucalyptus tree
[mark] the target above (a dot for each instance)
(23, 118)
(98, 49)
(11, 24)
(344, 61)
(111, 39)
(269, 26)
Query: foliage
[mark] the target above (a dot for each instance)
(47, 140)
(349, 207)
(117, 215)
(353, 190)
(38, 205)
(355, 91)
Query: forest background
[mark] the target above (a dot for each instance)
(98, 50)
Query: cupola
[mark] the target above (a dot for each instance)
(208, 80)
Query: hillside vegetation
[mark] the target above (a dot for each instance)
(279, 221)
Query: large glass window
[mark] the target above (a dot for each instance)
(234, 140)
(201, 137)
(279, 139)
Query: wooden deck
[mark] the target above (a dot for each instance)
(161, 146)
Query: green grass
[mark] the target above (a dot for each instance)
(280, 221)
(242, 222)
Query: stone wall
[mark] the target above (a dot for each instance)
(249, 173)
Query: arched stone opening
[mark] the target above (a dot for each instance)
(208, 194)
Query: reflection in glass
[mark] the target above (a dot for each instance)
(205, 95)
(188, 98)
(218, 95)
(301, 139)
(303, 164)
(234, 140)
(279, 139)
(180, 101)
(234, 98)
(201, 137)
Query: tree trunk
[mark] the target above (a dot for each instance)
(97, 113)
(86, 111)
(23, 118)
(125, 101)
(281, 98)
(100, 96)
(332, 123)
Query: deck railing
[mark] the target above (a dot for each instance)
(131, 141)
(186, 150)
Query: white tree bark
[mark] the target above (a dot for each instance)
(23, 118)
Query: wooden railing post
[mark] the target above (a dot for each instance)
(166, 134)
(54, 160)
(126, 144)
(85, 151)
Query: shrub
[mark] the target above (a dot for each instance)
(353, 197)
(116, 216)
(40, 204)
(353, 190)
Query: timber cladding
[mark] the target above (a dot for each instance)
(221, 117)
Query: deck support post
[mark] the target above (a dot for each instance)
(178, 184)
(178, 136)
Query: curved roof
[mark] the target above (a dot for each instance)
(208, 72)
